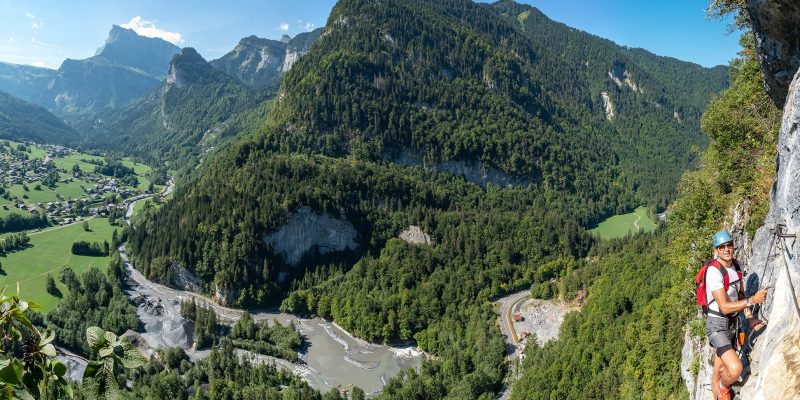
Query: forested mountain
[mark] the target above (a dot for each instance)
(125, 68)
(482, 90)
(22, 121)
(24, 81)
(627, 340)
(262, 63)
(194, 108)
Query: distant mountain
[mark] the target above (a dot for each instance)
(192, 109)
(25, 82)
(125, 68)
(20, 121)
(126, 47)
(262, 62)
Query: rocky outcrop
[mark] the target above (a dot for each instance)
(476, 172)
(608, 106)
(414, 235)
(307, 230)
(777, 33)
(261, 62)
(775, 368)
(138, 342)
(620, 76)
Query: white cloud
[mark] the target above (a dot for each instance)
(149, 29)
(36, 24)
(11, 40)
(284, 27)
(309, 26)
(38, 64)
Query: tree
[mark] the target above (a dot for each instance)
(51, 287)
(357, 394)
(86, 226)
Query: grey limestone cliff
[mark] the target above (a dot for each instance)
(306, 230)
(775, 368)
(777, 33)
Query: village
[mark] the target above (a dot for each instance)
(100, 195)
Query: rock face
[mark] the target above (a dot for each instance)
(475, 172)
(775, 369)
(124, 69)
(777, 34)
(607, 105)
(414, 235)
(261, 63)
(307, 230)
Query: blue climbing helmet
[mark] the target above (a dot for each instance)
(722, 237)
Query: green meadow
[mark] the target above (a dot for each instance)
(49, 251)
(72, 190)
(621, 225)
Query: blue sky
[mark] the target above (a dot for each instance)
(44, 33)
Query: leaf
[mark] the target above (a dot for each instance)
(47, 337)
(94, 336)
(48, 350)
(132, 358)
(59, 368)
(22, 394)
(33, 306)
(106, 351)
(12, 373)
(110, 337)
(92, 369)
(65, 386)
(6, 393)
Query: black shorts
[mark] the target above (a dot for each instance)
(720, 335)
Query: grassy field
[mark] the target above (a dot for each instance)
(620, 225)
(73, 190)
(50, 250)
(44, 194)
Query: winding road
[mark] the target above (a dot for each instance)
(636, 223)
(508, 305)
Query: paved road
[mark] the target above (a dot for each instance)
(509, 305)
(135, 199)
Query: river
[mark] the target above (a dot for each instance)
(332, 357)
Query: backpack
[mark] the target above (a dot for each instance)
(700, 283)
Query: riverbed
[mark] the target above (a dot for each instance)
(332, 357)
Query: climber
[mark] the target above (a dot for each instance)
(725, 296)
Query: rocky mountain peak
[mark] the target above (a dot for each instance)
(126, 47)
(189, 67)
